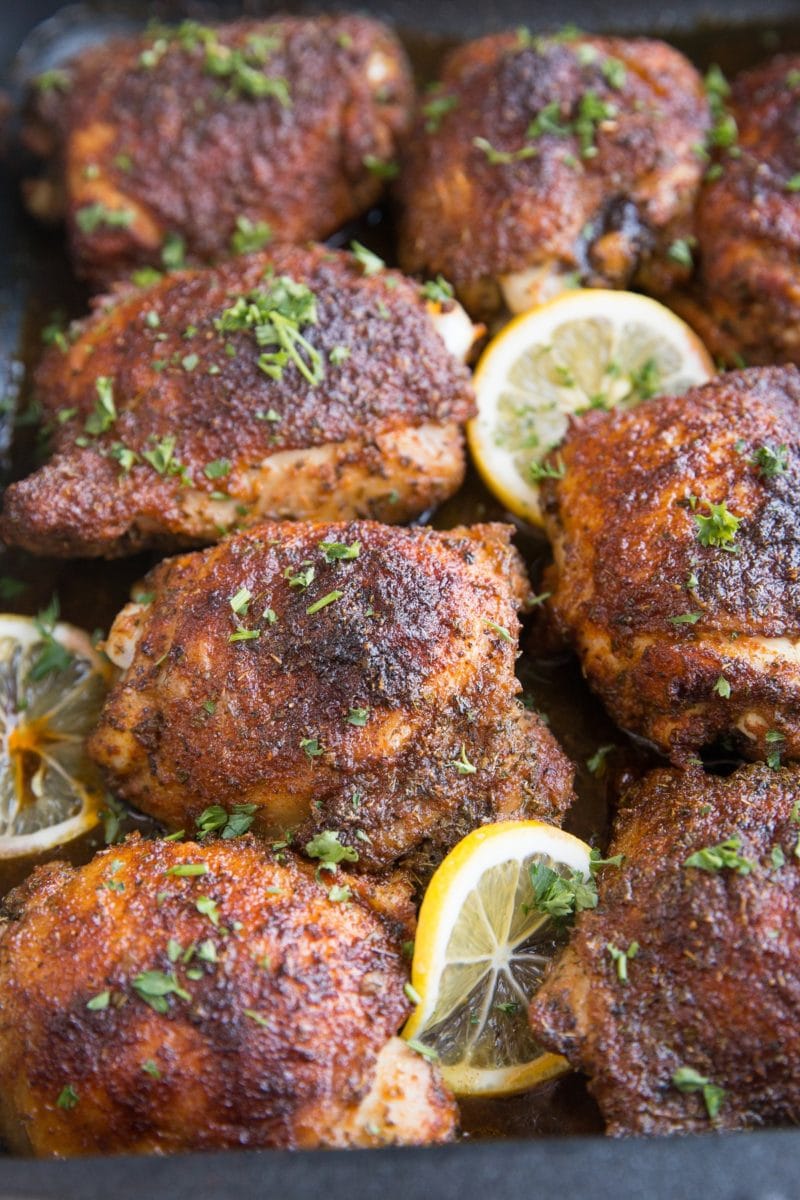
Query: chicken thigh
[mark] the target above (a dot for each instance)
(195, 140)
(300, 382)
(181, 996)
(352, 677)
(539, 162)
(679, 993)
(747, 299)
(677, 562)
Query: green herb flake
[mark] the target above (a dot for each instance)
(561, 896)
(216, 819)
(99, 1002)
(725, 855)
(150, 1068)
(502, 633)
(340, 551)
(250, 236)
(104, 414)
(380, 168)
(92, 217)
(690, 618)
(338, 355)
(257, 1017)
(358, 716)
(621, 958)
(323, 602)
(722, 687)
(370, 263)
(187, 870)
(436, 109)
(155, 986)
(329, 850)
(503, 158)
(687, 1079)
(462, 763)
(67, 1097)
(596, 765)
(241, 601)
(771, 460)
(311, 747)
(208, 908)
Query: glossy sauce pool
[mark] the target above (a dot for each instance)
(92, 592)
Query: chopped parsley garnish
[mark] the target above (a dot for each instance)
(276, 315)
(792, 184)
(173, 252)
(311, 747)
(498, 629)
(689, 618)
(244, 635)
(257, 1017)
(357, 716)
(680, 252)
(555, 470)
(724, 132)
(420, 1048)
(723, 856)
(436, 109)
(561, 896)
(503, 158)
(54, 80)
(190, 361)
(549, 120)
(771, 460)
(614, 73)
(323, 602)
(92, 217)
(208, 908)
(596, 765)
(621, 958)
(241, 601)
(299, 579)
(717, 527)
(337, 551)
(217, 469)
(370, 263)
(227, 824)
(339, 894)
(99, 1002)
(438, 290)
(462, 763)
(338, 355)
(150, 1068)
(52, 656)
(250, 236)
(155, 986)
(162, 458)
(380, 167)
(329, 850)
(67, 1097)
(687, 1079)
(105, 413)
(187, 869)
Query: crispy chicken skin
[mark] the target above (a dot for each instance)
(602, 174)
(714, 985)
(213, 441)
(277, 1032)
(661, 621)
(185, 132)
(747, 302)
(379, 700)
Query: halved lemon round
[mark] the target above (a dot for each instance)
(589, 348)
(483, 943)
(52, 686)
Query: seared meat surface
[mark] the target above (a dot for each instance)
(704, 1032)
(747, 302)
(147, 1009)
(677, 562)
(282, 384)
(539, 161)
(354, 677)
(205, 138)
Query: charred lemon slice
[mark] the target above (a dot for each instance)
(52, 687)
(488, 927)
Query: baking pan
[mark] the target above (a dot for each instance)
(512, 1150)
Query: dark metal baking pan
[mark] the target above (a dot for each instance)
(34, 278)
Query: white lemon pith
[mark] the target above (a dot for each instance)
(481, 949)
(50, 793)
(586, 349)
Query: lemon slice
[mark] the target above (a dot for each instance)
(481, 948)
(52, 687)
(586, 349)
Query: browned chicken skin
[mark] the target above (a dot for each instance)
(185, 132)
(747, 301)
(687, 623)
(714, 986)
(585, 164)
(378, 697)
(278, 993)
(200, 437)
